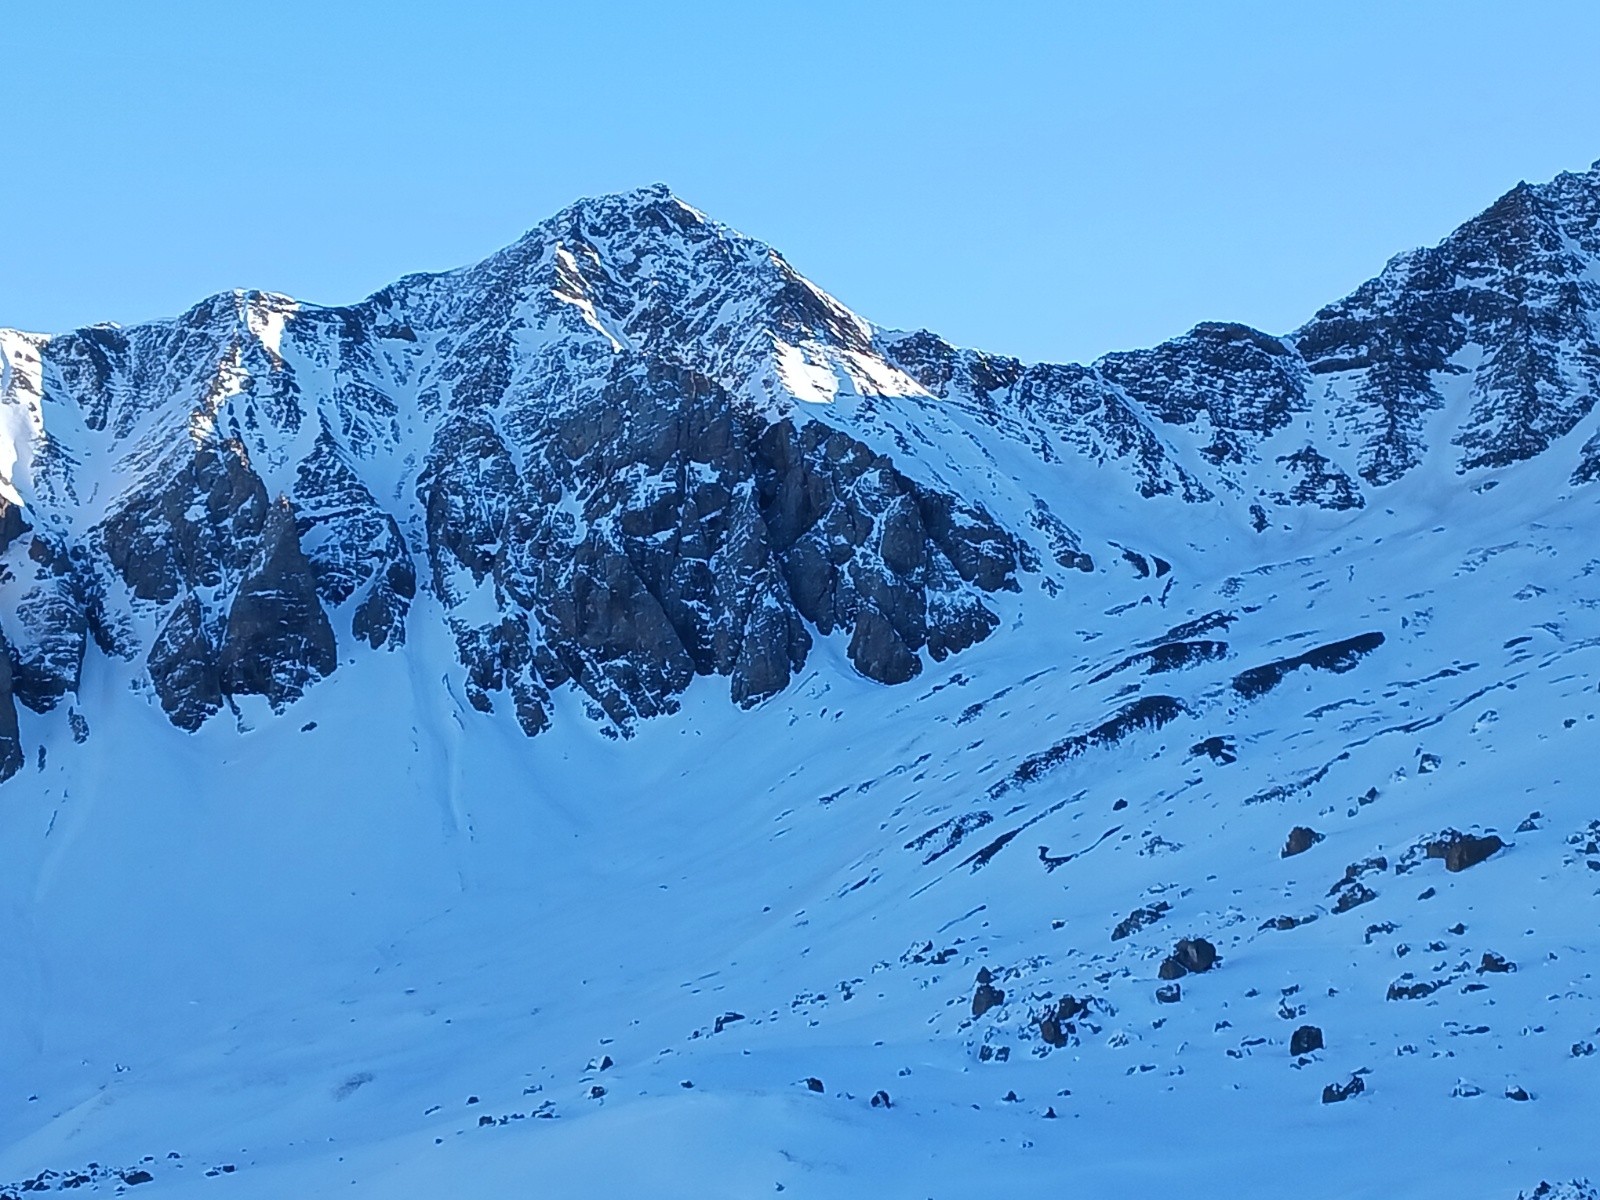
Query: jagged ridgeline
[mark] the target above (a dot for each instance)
(637, 447)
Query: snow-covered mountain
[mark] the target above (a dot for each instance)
(617, 666)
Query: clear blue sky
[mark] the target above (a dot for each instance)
(1052, 180)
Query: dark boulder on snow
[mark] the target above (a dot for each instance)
(1189, 956)
(1305, 1040)
(1056, 1024)
(1139, 918)
(1462, 850)
(1301, 839)
(986, 995)
(1336, 1092)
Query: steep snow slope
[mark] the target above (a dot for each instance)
(350, 932)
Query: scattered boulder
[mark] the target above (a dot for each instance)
(1220, 749)
(1517, 1093)
(1305, 1040)
(1353, 895)
(1463, 850)
(986, 996)
(1495, 964)
(1056, 1024)
(1169, 993)
(880, 1099)
(1139, 918)
(1401, 989)
(1336, 1092)
(1284, 923)
(1301, 839)
(813, 1083)
(1189, 956)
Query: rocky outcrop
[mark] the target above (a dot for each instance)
(11, 758)
(1235, 386)
(355, 548)
(183, 667)
(671, 532)
(52, 625)
(277, 640)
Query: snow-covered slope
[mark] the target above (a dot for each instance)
(513, 733)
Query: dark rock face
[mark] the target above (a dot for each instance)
(277, 640)
(11, 756)
(353, 546)
(1513, 281)
(1305, 1040)
(183, 666)
(698, 540)
(52, 624)
(1236, 384)
(613, 502)
(198, 530)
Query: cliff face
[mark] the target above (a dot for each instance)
(636, 447)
